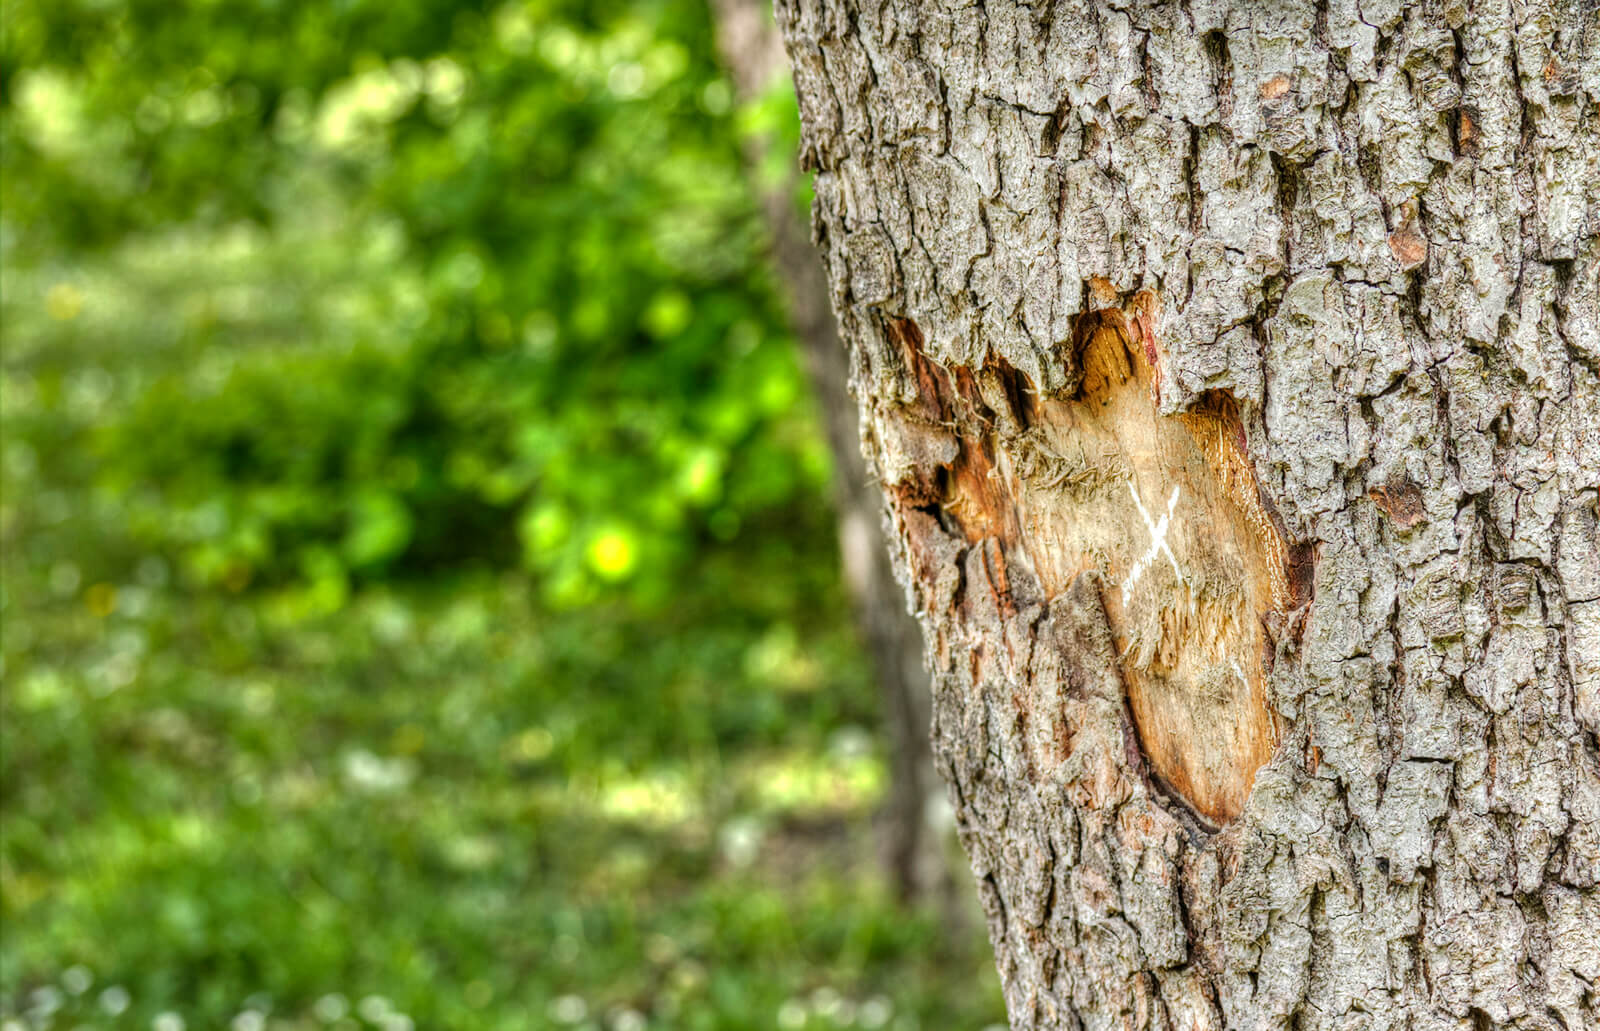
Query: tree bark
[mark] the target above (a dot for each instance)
(913, 856)
(1232, 374)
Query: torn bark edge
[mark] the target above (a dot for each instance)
(950, 424)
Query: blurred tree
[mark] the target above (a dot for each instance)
(753, 52)
(1168, 318)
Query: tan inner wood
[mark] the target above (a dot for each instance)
(1166, 510)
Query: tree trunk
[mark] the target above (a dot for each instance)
(1232, 373)
(913, 857)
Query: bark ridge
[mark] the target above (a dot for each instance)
(1370, 231)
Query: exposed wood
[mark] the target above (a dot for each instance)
(1165, 509)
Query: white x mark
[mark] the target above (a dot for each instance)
(1158, 538)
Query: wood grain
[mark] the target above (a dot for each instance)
(1165, 509)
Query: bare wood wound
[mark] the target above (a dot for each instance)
(1166, 510)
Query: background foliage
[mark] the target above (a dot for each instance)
(418, 600)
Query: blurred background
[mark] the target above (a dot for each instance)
(421, 599)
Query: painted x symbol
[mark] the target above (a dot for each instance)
(1158, 538)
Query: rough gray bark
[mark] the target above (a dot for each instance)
(1326, 275)
(753, 53)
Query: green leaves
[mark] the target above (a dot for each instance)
(378, 528)
(457, 290)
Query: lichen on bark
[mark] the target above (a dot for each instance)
(1372, 231)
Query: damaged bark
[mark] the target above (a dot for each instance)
(1232, 373)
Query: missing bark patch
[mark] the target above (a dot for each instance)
(1165, 509)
